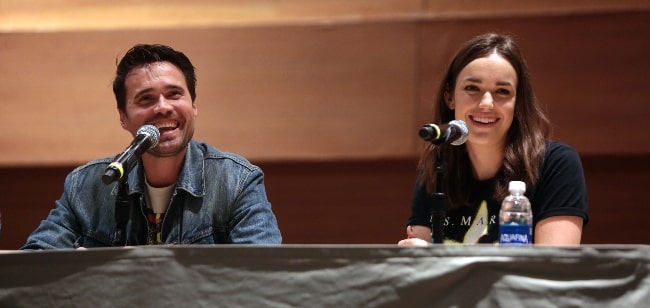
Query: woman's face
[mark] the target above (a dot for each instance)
(484, 97)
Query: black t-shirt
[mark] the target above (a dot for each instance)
(560, 190)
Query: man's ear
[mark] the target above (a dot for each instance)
(122, 119)
(449, 99)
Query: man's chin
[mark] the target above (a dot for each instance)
(168, 150)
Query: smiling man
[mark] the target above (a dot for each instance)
(181, 192)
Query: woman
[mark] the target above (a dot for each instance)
(488, 87)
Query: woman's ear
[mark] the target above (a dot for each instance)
(449, 99)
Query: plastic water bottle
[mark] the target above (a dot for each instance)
(516, 217)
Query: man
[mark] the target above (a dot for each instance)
(180, 192)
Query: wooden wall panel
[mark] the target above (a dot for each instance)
(618, 207)
(284, 92)
(503, 8)
(80, 15)
(323, 81)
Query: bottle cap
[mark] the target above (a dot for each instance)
(518, 186)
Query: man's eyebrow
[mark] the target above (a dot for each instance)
(174, 87)
(142, 92)
(146, 90)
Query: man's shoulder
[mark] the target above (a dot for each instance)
(212, 154)
(91, 166)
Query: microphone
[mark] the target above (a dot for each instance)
(147, 137)
(455, 133)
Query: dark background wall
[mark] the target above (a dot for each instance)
(355, 202)
(326, 97)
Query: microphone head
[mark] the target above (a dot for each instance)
(463, 129)
(152, 133)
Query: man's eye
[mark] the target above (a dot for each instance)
(144, 100)
(174, 95)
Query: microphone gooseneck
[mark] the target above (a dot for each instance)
(146, 138)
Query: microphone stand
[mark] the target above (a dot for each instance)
(122, 213)
(455, 133)
(439, 201)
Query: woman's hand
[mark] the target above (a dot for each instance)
(418, 236)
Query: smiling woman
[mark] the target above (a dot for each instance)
(487, 85)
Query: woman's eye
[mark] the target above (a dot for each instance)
(503, 91)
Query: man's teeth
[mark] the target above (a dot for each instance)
(166, 125)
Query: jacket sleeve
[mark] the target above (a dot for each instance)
(59, 229)
(252, 220)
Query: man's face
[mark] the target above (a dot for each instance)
(157, 94)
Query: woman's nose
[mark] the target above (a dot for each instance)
(486, 101)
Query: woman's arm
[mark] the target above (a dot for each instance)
(559, 230)
(560, 197)
(556, 230)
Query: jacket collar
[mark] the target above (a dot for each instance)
(191, 178)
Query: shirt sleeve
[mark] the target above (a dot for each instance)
(561, 188)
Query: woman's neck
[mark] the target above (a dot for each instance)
(486, 160)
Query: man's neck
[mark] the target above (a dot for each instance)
(162, 171)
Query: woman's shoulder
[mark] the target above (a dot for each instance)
(559, 150)
(560, 157)
(555, 146)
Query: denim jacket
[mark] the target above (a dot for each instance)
(219, 199)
